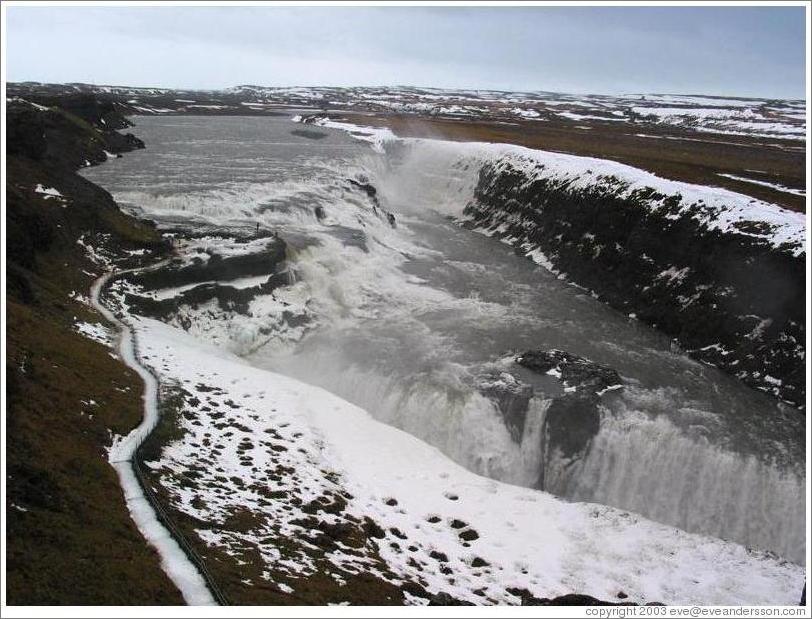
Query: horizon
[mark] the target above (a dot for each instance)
(416, 87)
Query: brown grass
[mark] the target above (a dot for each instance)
(677, 159)
(70, 538)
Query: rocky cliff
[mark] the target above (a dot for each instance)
(724, 279)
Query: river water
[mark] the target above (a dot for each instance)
(410, 320)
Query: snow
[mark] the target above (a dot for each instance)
(376, 136)
(49, 193)
(673, 274)
(36, 106)
(527, 538)
(95, 331)
(736, 121)
(524, 113)
(776, 186)
(173, 560)
(713, 207)
(573, 116)
(97, 254)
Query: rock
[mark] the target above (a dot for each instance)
(570, 599)
(573, 419)
(469, 535)
(309, 134)
(364, 185)
(570, 424)
(729, 299)
(445, 599)
(577, 373)
(512, 398)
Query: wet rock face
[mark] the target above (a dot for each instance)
(571, 423)
(212, 277)
(576, 373)
(217, 268)
(572, 418)
(362, 183)
(731, 300)
(512, 398)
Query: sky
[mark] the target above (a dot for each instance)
(745, 51)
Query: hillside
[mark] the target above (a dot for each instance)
(70, 539)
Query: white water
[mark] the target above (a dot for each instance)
(406, 320)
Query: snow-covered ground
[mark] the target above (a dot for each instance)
(177, 566)
(443, 526)
(717, 208)
(767, 119)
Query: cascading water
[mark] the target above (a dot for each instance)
(406, 320)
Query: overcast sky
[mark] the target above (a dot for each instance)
(732, 50)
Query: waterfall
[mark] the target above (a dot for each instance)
(649, 466)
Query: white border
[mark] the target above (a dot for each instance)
(360, 611)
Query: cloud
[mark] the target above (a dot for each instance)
(733, 50)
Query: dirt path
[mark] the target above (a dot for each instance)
(176, 563)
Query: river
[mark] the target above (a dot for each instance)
(409, 321)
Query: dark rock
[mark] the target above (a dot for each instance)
(372, 529)
(439, 556)
(575, 372)
(573, 419)
(445, 599)
(512, 398)
(570, 599)
(620, 243)
(570, 424)
(469, 535)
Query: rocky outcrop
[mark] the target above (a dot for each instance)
(725, 295)
(572, 419)
(512, 398)
(217, 268)
(573, 415)
(577, 374)
(212, 277)
(362, 183)
(45, 147)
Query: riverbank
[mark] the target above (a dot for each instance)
(70, 538)
(719, 272)
(292, 495)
